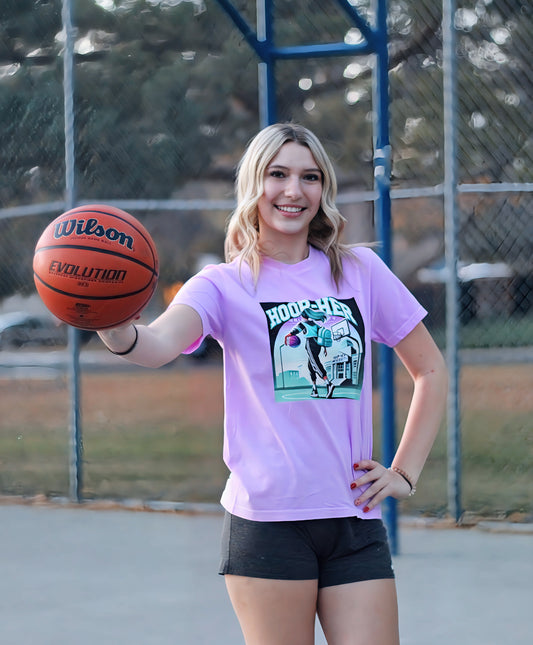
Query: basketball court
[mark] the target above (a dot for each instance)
(117, 577)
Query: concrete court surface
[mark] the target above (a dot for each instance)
(116, 577)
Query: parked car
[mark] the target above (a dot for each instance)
(20, 329)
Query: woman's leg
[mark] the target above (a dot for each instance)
(274, 612)
(313, 354)
(360, 613)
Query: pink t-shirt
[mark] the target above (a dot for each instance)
(290, 450)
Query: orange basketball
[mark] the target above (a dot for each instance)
(95, 267)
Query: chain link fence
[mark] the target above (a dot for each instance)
(166, 96)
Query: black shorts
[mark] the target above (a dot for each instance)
(333, 551)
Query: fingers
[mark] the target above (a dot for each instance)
(381, 483)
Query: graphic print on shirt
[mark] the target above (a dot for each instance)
(317, 348)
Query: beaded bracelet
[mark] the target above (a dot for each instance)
(403, 474)
(131, 348)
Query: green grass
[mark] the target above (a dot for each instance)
(496, 445)
(496, 457)
(516, 331)
(179, 463)
(158, 436)
(32, 461)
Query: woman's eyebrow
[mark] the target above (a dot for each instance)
(281, 167)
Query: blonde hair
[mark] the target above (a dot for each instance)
(242, 236)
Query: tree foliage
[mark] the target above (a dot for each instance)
(166, 92)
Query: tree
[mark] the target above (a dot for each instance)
(165, 93)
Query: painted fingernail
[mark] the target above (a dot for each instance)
(353, 485)
(365, 509)
(356, 466)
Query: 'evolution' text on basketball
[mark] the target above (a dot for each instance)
(91, 227)
(89, 273)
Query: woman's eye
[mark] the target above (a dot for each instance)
(310, 177)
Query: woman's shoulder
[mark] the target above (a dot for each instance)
(360, 257)
(226, 275)
(363, 252)
(221, 269)
(364, 262)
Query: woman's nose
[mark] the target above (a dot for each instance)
(292, 187)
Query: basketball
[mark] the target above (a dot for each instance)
(293, 341)
(95, 267)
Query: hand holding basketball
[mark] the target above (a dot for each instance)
(95, 267)
(292, 340)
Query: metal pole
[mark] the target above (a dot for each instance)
(75, 447)
(382, 163)
(266, 68)
(451, 239)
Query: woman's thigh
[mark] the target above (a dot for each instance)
(274, 612)
(360, 613)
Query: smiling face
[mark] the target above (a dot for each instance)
(290, 200)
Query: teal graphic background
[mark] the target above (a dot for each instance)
(342, 362)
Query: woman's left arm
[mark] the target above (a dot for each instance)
(425, 363)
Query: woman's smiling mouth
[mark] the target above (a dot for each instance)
(291, 210)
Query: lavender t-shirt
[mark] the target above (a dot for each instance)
(290, 452)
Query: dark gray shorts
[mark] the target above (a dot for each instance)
(333, 551)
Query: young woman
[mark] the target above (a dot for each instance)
(302, 531)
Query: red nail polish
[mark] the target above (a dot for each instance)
(353, 485)
(356, 466)
(365, 509)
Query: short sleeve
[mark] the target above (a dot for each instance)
(203, 294)
(395, 311)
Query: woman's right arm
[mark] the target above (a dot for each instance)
(158, 343)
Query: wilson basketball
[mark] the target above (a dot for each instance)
(95, 267)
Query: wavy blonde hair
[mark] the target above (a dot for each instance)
(242, 236)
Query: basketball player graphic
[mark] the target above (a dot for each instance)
(310, 329)
(299, 331)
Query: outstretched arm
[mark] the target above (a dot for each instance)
(427, 368)
(161, 341)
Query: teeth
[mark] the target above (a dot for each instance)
(291, 209)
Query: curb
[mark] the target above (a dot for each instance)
(192, 508)
(488, 526)
(505, 527)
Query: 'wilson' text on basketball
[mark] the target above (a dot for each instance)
(90, 227)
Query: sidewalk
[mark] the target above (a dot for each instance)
(116, 577)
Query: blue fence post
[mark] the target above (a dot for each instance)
(382, 169)
(266, 71)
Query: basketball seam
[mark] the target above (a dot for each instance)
(85, 297)
(122, 219)
(97, 250)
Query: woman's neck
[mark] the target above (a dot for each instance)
(286, 254)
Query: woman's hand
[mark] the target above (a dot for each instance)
(382, 481)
